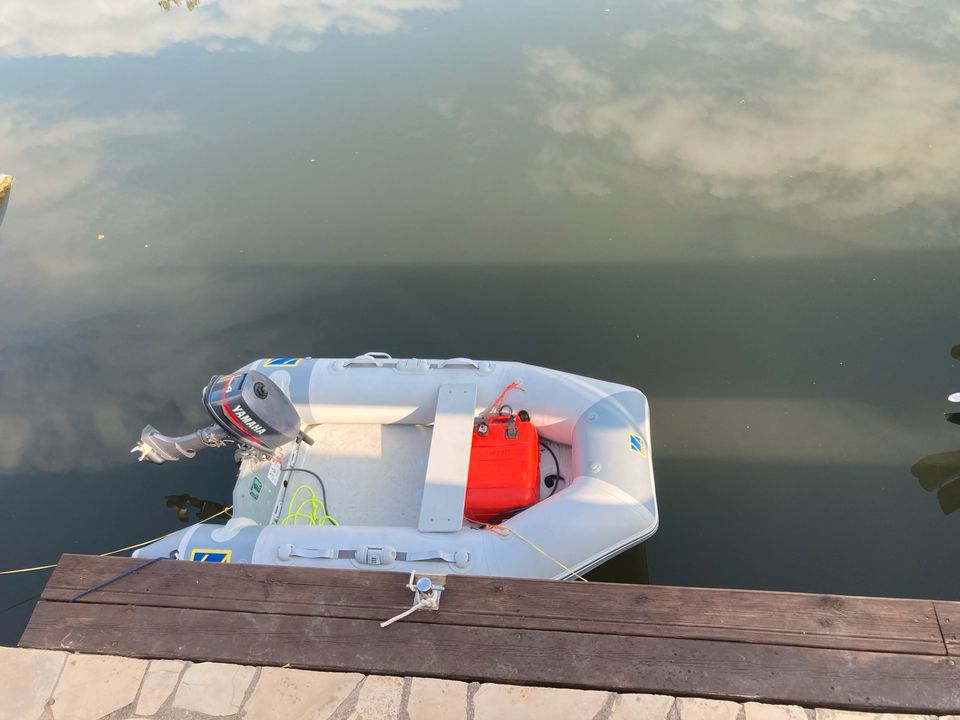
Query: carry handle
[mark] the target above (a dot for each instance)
(459, 362)
(382, 359)
(368, 358)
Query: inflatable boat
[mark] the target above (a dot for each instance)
(427, 466)
(6, 184)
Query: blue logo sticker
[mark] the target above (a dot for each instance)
(212, 556)
(638, 444)
(281, 362)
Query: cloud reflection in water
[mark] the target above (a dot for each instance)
(780, 103)
(773, 106)
(79, 28)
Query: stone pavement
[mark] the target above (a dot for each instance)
(54, 685)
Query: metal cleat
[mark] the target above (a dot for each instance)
(426, 596)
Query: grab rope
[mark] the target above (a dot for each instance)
(119, 550)
(311, 517)
(495, 407)
(504, 531)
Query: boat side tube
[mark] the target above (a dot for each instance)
(576, 529)
(367, 389)
(609, 506)
(557, 538)
(607, 424)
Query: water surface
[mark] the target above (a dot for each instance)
(746, 209)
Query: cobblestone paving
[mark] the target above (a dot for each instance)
(54, 685)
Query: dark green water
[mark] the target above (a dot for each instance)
(746, 209)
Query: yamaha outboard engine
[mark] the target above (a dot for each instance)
(249, 409)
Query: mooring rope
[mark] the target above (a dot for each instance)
(504, 531)
(119, 550)
(501, 530)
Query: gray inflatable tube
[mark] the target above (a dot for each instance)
(607, 505)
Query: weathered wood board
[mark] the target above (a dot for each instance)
(826, 650)
(827, 621)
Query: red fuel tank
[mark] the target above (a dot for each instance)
(504, 475)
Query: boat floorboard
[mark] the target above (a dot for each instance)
(807, 649)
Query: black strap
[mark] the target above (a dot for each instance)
(114, 579)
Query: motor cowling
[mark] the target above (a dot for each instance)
(248, 407)
(253, 409)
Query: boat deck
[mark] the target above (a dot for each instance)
(812, 650)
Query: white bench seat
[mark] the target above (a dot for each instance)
(445, 488)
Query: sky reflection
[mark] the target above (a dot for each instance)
(678, 134)
(787, 105)
(94, 29)
(746, 208)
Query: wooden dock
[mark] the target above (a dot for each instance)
(812, 650)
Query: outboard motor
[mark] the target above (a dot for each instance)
(249, 409)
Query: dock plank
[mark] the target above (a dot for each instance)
(948, 614)
(795, 619)
(740, 671)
